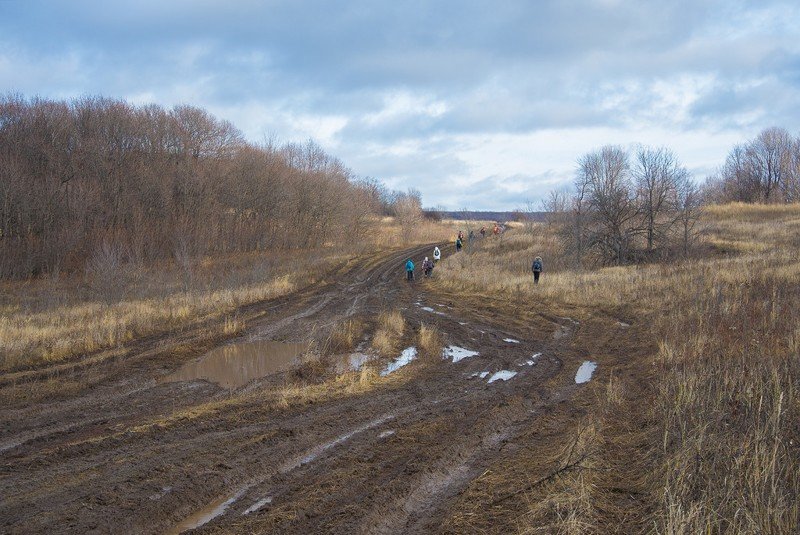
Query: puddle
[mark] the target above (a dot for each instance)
(510, 340)
(352, 362)
(258, 505)
(483, 375)
(531, 361)
(502, 375)
(585, 372)
(408, 354)
(235, 365)
(208, 513)
(385, 434)
(428, 309)
(462, 322)
(623, 324)
(457, 353)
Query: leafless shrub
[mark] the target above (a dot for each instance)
(104, 271)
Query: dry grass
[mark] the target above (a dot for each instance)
(345, 336)
(726, 400)
(429, 341)
(391, 326)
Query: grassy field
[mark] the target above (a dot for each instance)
(716, 421)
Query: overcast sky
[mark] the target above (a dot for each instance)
(479, 105)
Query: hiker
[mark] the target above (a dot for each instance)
(458, 244)
(537, 269)
(410, 270)
(437, 254)
(496, 229)
(483, 232)
(427, 267)
(471, 236)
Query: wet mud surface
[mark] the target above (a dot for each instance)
(180, 434)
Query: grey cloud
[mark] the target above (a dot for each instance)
(511, 67)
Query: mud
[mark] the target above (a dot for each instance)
(140, 447)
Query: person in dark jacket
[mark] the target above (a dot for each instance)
(459, 243)
(536, 267)
(427, 267)
(410, 270)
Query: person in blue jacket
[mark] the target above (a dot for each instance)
(410, 270)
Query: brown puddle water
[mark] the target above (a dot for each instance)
(235, 365)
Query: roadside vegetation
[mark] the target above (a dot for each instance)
(721, 449)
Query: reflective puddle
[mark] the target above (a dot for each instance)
(235, 365)
(502, 375)
(352, 362)
(457, 353)
(584, 373)
(207, 514)
(408, 354)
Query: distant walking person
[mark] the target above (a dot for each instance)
(537, 269)
(437, 254)
(427, 268)
(410, 270)
(483, 232)
(458, 244)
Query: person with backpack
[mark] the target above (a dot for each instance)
(427, 267)
(458, 244)
(437, 254)
(410, 270)
(536, 267)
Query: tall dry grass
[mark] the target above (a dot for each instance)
(728, 326)
(387, 337)
(52, 320)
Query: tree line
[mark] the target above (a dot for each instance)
(764, 169)
(145, 183)
(631, 205)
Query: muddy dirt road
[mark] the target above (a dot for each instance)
(440, 445)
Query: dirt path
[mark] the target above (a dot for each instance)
(130, 453)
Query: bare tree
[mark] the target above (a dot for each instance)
(657, 173)
(770, 157)
(407, 208)
(688, 204)
(612, 203)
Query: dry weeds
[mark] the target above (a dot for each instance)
(429, 341)
(391, 326)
